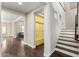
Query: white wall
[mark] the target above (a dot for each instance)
(58, 10)
(30, 29)
(0, 28)
(47, 29)
(70, 18)
(52, 26)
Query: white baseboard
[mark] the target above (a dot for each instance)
(29, 45)
(48, 55)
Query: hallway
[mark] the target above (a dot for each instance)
(48, 29)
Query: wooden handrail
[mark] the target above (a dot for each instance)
(76, 25)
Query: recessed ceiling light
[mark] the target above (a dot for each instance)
(20, 3)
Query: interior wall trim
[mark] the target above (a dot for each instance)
(29, 45)
(48, 55)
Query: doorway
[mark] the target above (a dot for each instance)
(11, 23)
(19, 26)
(39, 30)
(39, 35)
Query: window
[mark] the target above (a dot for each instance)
(3, 30)
(22, 28)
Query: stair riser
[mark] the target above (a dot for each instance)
(67, 37)
(72, 51)
(67, 31)
(69, 40)
(68, 47)
(62, 54)
(66, 52)
(69, 43)
(67, 34)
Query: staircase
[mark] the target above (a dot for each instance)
(67, 46)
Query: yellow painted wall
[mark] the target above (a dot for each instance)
(39, 30)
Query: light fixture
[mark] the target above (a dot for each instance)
(20, 3)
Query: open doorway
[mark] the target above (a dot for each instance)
(39, 30)
(19, 25)
(12, 23)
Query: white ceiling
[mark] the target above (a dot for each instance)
(25, 7)
(7, 16)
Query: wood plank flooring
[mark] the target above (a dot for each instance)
(31, 52)
(37, 52)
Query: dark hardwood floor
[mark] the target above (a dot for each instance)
(28, 51)
(38, 52)
(59, 54)
(34, 52)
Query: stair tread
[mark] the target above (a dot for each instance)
(68, 47)
(66, 38)
(67, 44)
(72, 51)
(66, 52)
(68, 32)
(74, 41)
(70, 43)
(67, 35)
(60, 54)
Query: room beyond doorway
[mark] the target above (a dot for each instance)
(39, 30)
